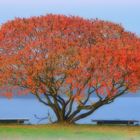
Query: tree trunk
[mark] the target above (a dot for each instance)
(64, 112)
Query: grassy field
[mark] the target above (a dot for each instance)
(72, 132)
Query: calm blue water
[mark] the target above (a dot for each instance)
(122, 108)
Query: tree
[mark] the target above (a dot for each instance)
(65, 62)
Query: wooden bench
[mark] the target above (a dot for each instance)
(123, 122)
(13, 121)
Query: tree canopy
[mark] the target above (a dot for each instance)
(65, 61)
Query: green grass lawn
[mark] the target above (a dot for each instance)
(71, 132)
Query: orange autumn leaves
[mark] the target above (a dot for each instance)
(68, 53)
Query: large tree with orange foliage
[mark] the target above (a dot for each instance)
(70, 64)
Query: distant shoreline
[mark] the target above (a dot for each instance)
(29, 96)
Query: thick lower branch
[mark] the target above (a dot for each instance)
(98, 104)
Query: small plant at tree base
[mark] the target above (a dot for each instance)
(68, 63)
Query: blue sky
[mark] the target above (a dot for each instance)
(126, 12)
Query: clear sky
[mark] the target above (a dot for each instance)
(126, 12)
